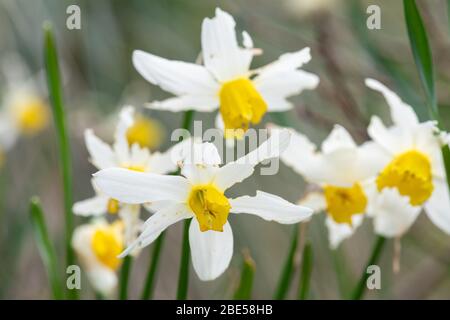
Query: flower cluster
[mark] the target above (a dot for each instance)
(389, 179)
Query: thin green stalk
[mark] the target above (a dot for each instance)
(46, 249)
(244, 290)
(55, 94)
(305, 275)
(286, 275)
(124, 276)
(183, 278)
(147, 292)
(374, 257)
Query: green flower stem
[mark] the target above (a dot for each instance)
(124, 277)
(244, 291)
(374, 257)
(288, 268)
(305, 275)
(183, 278)
(147, 292)
(46, 249)
(55, 94)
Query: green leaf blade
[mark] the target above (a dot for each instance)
(45, 247)
(421, 51)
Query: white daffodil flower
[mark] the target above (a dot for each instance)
(225, 81)
(413, 175)
(97, 245)
(23, 110)
(342, 171)
(122, 154)
(199, 195)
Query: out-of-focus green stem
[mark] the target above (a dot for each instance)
(124, 276)
(147, 292)
(55, 94)
(305, 275)
(244, 291)
(183, 278)
(374, 257)
(46, 249)
(288, 267)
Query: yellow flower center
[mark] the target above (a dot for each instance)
(146, 132)
(240, 105)
(32, 115)
(210, 206)
(113, 206)
(410, 173)
(107, 244)
(344, 202)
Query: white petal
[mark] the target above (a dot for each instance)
(179, 78)
(402, 114)
(101, 153)
(199, 102)
(121, 146)
(103, 280)
(162, 163)
(201, 153)
(242, 168)
(392, 213)
(8, 133)
(276, 88)
(300, 153)
(438, 206)
(134, 187)
(281, 79)
(220, 49)
(97, 205)
(338, 138)
(315, 201)
(394, 139)
(337, 232)
(211, 250)
(157, 223)
(286, 62)
(129, 213)
(270, 207)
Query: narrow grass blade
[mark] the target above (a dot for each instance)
(286, 274)
(421, 52)
(55, 94)
(147, 292)
(374, 257)
(244, 291)
(46, 249)
(305, 275)
(124, 276)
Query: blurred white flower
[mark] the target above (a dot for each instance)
(97, 246)
(199, 194)
(23, 110)
(413, 175)
(225, 82)
(342, 171)
(122, 155)
(308, 7)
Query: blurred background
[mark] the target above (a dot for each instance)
(99, 78)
